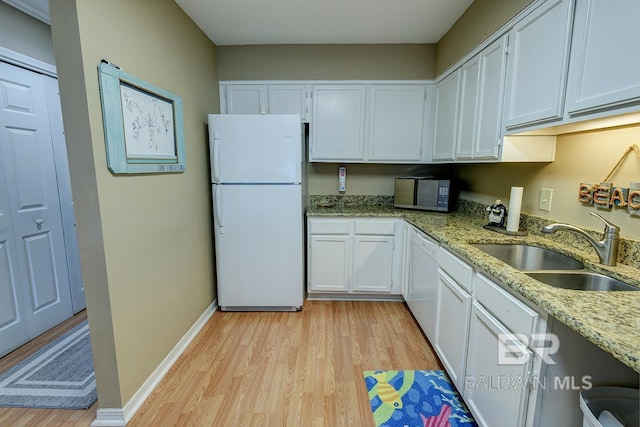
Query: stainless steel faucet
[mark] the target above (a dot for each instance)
(607, 248)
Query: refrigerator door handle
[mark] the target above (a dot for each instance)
(218, 206)
(216, 156)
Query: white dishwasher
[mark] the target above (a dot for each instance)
(423, 281)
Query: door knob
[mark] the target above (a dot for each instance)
(39, 223)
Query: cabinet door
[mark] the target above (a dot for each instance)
(452, 328)
(373, 263)
(329, 263)
(488, 129)
(337, 130)
(497, 393)
(245, 99)
(604, 70)
(289, 99)
(469, 87)
(395, 122)
(537, 66)
(446, 117)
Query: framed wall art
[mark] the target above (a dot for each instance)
(143, 125)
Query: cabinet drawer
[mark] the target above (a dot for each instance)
(456, 268)
(376, 227)
(331, 226)
(512, 313)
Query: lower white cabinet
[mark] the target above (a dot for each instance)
(496, 392)
(349, 255)
(452, 328)
(513, 365)
(330, 265)
(373, 263)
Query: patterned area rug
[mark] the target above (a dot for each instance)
(60, 375)
(415, 399)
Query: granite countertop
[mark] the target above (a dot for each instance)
(611, 320)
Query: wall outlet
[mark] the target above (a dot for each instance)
(546, 194)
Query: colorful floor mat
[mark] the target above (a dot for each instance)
(415, 399)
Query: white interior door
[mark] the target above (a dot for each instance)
(66, 198)
(13, 327)
(28, 167)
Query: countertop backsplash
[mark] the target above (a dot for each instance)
(628, 251)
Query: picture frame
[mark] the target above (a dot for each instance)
(143, 124)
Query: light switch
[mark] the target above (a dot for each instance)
(546, 194)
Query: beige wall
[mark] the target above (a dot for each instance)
(585, 157)
(145, 240)
(26, 35)
(326, 62)
(365, 179)
(478, 22)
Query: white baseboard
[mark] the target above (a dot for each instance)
(109, 417)
(119, 417)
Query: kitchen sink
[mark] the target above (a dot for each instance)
(529, 258)
(581, 280)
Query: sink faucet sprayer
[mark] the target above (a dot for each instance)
(607, 249)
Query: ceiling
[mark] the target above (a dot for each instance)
(251, 22)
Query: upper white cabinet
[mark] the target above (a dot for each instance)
(265, 99)
(337, 130)
(482, 94)
(468, 118)
(537, 65)
(377, 123)
(289, 99)
(243, 99)
(395, 122)
(604, 69)
(446, 117)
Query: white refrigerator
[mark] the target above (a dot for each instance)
(258, 209)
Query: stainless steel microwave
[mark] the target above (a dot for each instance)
(424, 193)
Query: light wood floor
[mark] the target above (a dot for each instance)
(276, 369)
